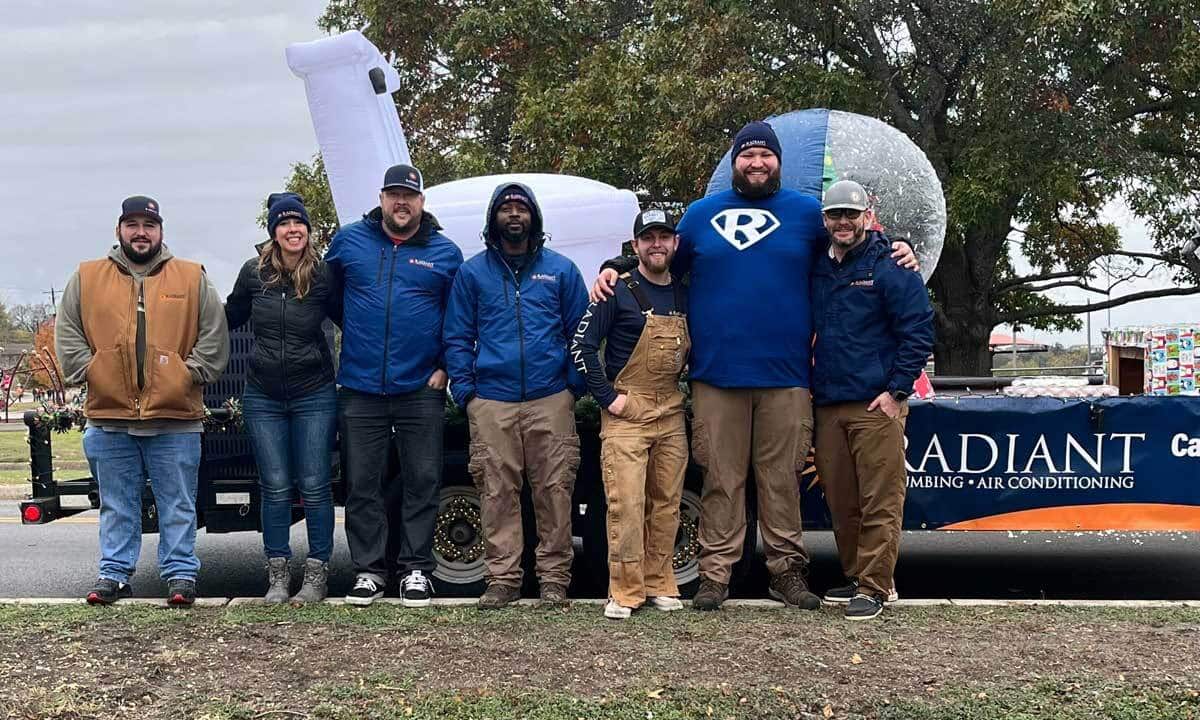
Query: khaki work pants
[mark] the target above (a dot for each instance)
(769, 429)
(643, 460)
(860, 460)
(510, 440)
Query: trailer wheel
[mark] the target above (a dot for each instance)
(686, 560)
(458, 543)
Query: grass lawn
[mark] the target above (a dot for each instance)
(324, 661)
(69, 460)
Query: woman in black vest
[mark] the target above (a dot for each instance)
(290, 402)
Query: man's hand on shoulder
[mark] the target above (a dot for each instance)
(903, 253)
(604, 286)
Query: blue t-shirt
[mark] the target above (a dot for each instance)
(749, 313)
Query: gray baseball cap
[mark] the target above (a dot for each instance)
(845, 194)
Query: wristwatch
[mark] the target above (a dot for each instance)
(899, 395)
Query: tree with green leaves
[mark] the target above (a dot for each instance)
(1036, 115)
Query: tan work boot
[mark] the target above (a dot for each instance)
(710, 595)
(790, 589)
(497, 596)
(553, 594)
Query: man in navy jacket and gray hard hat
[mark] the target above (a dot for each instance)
(512, 312)
(874, 331)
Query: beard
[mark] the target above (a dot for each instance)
(140, 258)
(398, 230)
(514, 238)
(754, 192)
(655, 264)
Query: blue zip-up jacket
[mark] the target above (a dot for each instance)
(507, 335)
(873, 322)
(395, 298)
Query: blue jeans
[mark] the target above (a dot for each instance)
(121, 462)
(293, 445)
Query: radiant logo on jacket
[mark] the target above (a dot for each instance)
(543, 277)
(422, 263)
(743, 227)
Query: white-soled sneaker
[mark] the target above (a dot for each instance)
(364, 592)
(615, 611)
(416, 590)
(666, 603)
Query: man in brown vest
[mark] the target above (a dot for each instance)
(644, 455)
(146, 331)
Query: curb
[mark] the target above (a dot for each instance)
(733, 604)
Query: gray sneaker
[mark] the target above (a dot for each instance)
(279, 577)
(316, 580)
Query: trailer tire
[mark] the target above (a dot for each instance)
(458, 543)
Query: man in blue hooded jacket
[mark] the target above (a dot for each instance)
(512, 312)
(396, 267)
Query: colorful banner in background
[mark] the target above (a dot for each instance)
(1128, 463)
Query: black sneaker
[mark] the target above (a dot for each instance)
(863, 607)
(181, 592)
(790, 589)
(107, 592)
(710, 595)
(842, 594)
(416, 590)
(364, 592)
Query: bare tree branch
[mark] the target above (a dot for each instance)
(1022, 315)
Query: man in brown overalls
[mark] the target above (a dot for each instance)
(644, 453)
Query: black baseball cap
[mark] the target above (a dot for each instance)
(654, 218)
(403, 176)
(140, 205)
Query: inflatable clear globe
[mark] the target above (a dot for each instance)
(822, 146)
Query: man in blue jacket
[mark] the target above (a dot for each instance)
(512, 310)
(397, 268)
(874, 332)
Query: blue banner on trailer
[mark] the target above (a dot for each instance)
(1130, 463)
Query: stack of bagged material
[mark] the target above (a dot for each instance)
(1058, 386)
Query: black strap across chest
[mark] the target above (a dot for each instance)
(643, 300)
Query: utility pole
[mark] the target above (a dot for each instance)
(53, 297)
(1088, 362)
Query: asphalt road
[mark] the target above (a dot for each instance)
(59, 560)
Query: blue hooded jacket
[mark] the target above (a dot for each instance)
(873, 322)
(507, 334)
(395, 298)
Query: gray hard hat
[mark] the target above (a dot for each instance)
(845, 194)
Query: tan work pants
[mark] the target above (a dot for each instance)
(643, 460)
(734, 429)
(860, 460)
(538, 439)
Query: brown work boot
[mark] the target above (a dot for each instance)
(790, 589)
(710, 595)
(497, 596)
(553, 594)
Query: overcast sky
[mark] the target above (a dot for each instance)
(192, 103)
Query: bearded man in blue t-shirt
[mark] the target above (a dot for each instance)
(749, 251)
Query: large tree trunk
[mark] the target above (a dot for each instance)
(964, 312)
(962, 348)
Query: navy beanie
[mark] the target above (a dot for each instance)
(515, 193)
(756, 134)
(282, 206)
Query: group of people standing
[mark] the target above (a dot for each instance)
(512, 333)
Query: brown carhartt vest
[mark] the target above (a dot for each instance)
(108, 303)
